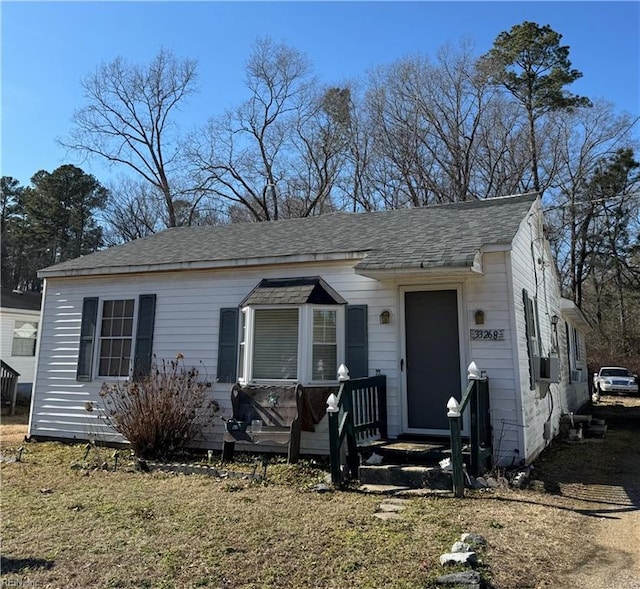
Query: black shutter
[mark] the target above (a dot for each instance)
(87, 337)
(144, 335)
(530, 332)
(569, 363)
(228, 345)
(357, 341)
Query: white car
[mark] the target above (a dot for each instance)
(615, 379)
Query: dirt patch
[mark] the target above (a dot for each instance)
(600, 479)
(14, 427)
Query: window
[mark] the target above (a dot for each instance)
(324, 361)
(112, 339)
(24, 338)
(116, 337)
(293, 343)
(275, 344)
(575, 345)
(292, 329)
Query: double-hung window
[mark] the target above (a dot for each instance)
(275, 344)
(532, 331)
(116, 337)
(324, 347)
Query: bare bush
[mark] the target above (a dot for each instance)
(161, 413)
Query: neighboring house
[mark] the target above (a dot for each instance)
(414, 294)
(19, 320)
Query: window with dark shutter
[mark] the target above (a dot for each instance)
(357, 345)
(228, 345)
(87, 337)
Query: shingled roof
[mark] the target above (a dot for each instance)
(448, 235)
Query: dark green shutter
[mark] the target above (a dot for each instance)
(228, 345)
(87, 337)
(357, 344)
(144, 335)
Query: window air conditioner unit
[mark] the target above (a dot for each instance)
(547, 369)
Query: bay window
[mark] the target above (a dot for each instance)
(292, 330)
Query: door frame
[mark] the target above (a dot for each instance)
(463, 349)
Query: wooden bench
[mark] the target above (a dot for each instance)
(278, 408)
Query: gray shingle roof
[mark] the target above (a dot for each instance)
(435, 236)
(293, 291)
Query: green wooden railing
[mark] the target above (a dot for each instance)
(357, 413)
(476, 397)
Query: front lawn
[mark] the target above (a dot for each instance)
(66, 522)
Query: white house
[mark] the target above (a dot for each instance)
(19, 320)
(414, 294)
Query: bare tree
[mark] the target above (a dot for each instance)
(128, 118)
(134, 210)
(278, 154)
(582, 140)
(441, 132)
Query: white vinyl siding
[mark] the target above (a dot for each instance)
(25, 365)
(187, 317)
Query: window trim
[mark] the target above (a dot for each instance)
(99, 338)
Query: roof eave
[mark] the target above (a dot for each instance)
(470, 265)
(570, 311)
(201, 265)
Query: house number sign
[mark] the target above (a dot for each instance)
(487, 334)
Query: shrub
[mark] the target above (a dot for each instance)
(161, 413)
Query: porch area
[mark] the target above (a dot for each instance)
(360, 449)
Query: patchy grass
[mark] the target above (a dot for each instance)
(65, 525)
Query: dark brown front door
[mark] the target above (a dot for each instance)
(433, 357)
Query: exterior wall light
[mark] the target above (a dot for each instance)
(385, 317)
(479, 317)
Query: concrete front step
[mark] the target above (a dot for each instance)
(595, 431)
(410, 476)
(409, 451)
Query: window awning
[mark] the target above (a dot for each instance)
(293, 291)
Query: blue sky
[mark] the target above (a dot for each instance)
(47, 47)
